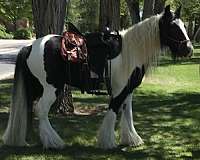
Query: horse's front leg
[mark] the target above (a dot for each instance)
(106, 135)
(129, 136)
(48, 136)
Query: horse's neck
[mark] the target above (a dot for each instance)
(141, 44)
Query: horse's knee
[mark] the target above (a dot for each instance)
(40, 110)
(44, 104)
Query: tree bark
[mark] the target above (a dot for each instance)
(197, 35)
(109, 14)
(148, 10)
(133, 6)
(197, 30)
(190, 28)
(49, 16)
(64, 101)
(159, 6)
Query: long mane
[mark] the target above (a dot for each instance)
(141, 44)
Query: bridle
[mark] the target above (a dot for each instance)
(174, 40)
(180, 43)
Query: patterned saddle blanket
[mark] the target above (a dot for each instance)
(73, 47)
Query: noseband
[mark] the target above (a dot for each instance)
(180, 43)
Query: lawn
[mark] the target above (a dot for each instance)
(166, 115)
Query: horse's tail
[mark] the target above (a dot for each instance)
(15, 134)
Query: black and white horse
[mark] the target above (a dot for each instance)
(40, 71)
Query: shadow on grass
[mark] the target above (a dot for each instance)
(5, 93)
(78, 152)
(168, 123)
(169, 62)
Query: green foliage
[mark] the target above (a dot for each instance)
(22, 34)
(84, 14)
(190, 8)
(2, 28)
(125, 18)
(4, 34)
(12, 10)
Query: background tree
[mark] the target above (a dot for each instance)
(134, 9)
(13, 10)
(49, 17)
(148, 9)
(159, 6)
(190, 14)
(109, 14)
(84, 14)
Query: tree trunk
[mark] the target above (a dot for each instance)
(133, 6)
(190, 28)
(148, 10)
(197, 30)
(109, 14)
(159, 6)
(49, 18)
(64, 102)
(197, 35)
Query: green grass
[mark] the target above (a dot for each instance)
(166, 115)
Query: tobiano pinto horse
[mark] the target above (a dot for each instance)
(41, 71)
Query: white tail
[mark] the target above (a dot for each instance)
(15, 133)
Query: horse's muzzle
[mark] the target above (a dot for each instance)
(185, 50)
(190, 49)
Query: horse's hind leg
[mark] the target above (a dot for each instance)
(48, 136)
(129, 135)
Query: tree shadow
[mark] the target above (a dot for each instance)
(170, 62)
(5, 92)
(8, 58)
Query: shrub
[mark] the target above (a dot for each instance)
(2, 28)
(22, 34)
(4, 34)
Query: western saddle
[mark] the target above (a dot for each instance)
(74, 49)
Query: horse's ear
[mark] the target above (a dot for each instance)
(167, 9)
(167, 14)
(178, 12)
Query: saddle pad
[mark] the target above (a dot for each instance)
(73, 47)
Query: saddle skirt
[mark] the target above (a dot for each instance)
(73, 47)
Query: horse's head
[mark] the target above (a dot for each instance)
(173, 33)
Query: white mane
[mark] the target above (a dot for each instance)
(141, 44)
